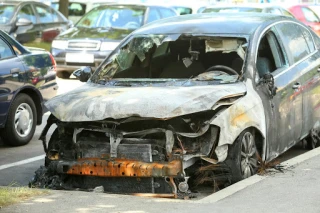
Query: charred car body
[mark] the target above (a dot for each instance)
(187, 100)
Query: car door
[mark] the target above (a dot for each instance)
(11, 76)
(311, 87)
(280, 95)
(300, 47)
(31, 32)
(50, 23)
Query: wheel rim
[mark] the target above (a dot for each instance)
(248, 155)
(23, 120)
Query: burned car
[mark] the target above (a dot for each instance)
(187, 100)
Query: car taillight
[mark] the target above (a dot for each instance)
(54, 65)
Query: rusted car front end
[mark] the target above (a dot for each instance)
(158, 116)
(153, 151)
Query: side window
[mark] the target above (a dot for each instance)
(308, 38)
(5, 50)
(294, 40)
(309, 15)
(44, 13)
(270, 56)
(27, 13)
(166, 13)
(77, 9)
(153, 15)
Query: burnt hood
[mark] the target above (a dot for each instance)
(93, 102)
(95, 33)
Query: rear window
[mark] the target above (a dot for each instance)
(310, 15)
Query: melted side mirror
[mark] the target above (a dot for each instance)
(269, 81)
(23, 22)
(83, 74)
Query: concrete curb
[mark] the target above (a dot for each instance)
(256, 178)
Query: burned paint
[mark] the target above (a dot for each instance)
(93, 103)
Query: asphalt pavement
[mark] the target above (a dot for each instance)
(296, 189)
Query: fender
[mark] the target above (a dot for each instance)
(27, 89)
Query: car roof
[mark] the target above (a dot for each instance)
(260, 6)
(6, 2)
(210, 23)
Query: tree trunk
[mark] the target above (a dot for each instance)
(63, 7)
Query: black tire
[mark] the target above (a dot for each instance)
(64, 75)
(9, 134)
(235, 158)
(313, 140)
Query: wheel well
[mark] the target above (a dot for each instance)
(37, 101)
(259, 139)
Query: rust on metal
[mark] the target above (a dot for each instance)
(155, 195)
(122, 168)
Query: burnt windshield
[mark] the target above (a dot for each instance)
(126, 17)
(198, 58)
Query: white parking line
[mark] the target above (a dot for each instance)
(29, 160)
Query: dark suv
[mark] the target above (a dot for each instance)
(99, 32)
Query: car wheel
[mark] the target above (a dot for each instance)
(313, 140)
(21, 121)
(242, 158)
(63, 75)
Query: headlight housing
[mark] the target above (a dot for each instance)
(60, 44)
(105, 46)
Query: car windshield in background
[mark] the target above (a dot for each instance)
(232, 10)
(6, 13)
(113, 17)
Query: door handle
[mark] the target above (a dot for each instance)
(296, 85)
(15, 70)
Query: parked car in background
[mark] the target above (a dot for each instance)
(29, 21)
(27, 80)
(187, 100)
(77, 8)
(182, 10)
(187, 9)
(258, 8)
(99, 32)
(306, 15)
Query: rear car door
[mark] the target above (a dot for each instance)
(12, 76)
(311, 87)
(300, 49)
(28, 33)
